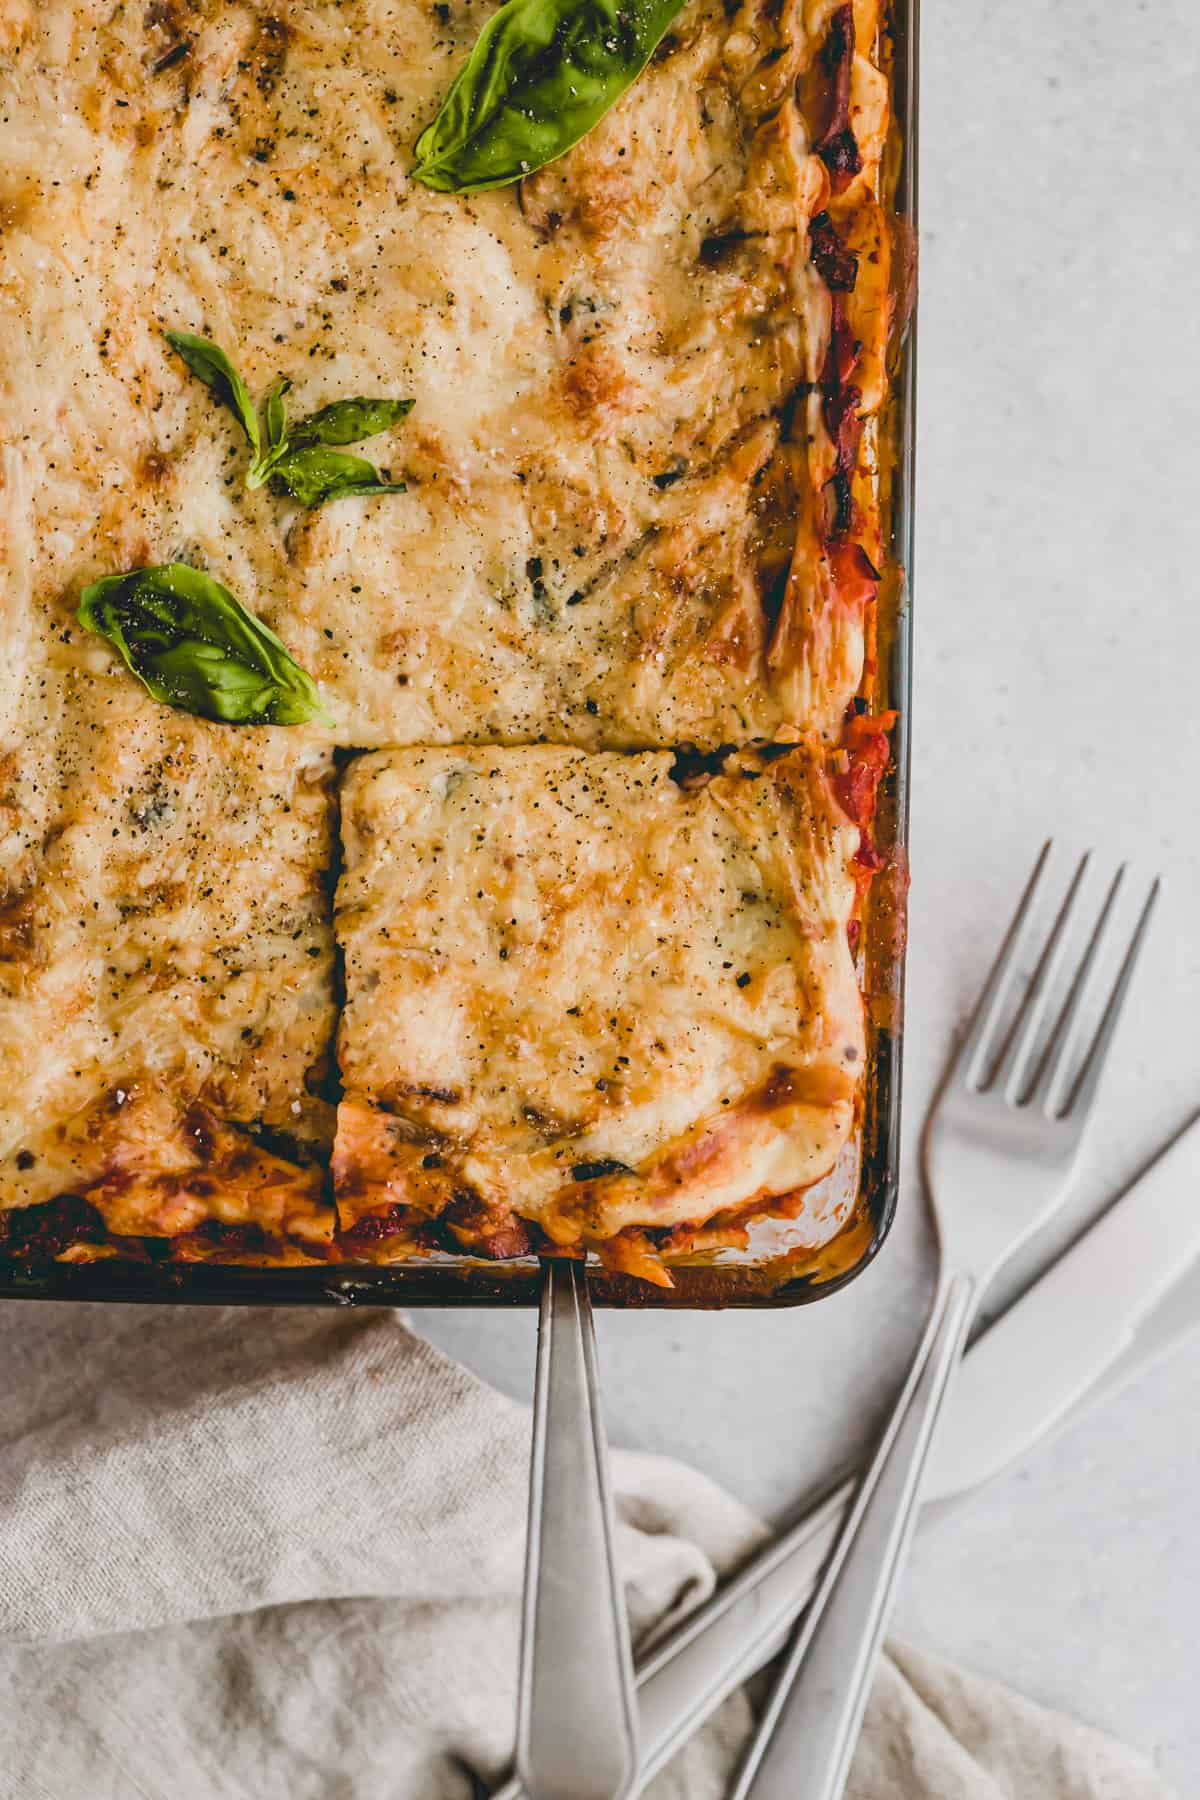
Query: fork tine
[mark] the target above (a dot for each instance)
(1080, 1097)
(1064, 1034)
(1013, 1067)
(972, 1055)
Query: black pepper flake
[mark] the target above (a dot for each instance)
(743, 981)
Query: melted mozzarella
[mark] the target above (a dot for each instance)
(578, 992)
(164, 943)
(610, 540)
(576, 555)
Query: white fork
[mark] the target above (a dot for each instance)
(1000, 1148)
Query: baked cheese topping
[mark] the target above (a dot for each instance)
(604, 539)
(578, 993)
(586, 1005)
(165, 962)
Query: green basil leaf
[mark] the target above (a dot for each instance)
(210, 363)
(314, 475)
(349, 421)
(541, 74)
(275, 415)
(194, 646)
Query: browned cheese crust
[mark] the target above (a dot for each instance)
(615, 527)
(165, 963)
(642, 511)
(580, 996)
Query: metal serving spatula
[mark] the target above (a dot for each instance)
(576, 1712)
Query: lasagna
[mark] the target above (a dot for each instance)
(166, 976)
(583, 997)
(595, 660)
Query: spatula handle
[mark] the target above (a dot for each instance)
(576, 1732)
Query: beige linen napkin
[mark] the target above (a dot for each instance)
(278, 1554)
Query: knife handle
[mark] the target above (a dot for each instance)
(810, 1726)
(729, 1640)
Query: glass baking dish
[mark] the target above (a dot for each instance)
(776, 1269)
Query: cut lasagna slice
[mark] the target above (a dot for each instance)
(586, 1005)
(166, 999)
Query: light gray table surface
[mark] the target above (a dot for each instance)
(1058, 645)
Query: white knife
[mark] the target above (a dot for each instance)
(1125, 1294)
(1079, 1320)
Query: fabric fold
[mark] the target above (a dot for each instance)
(278, 1553)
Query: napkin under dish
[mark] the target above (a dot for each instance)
(278, 1554)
